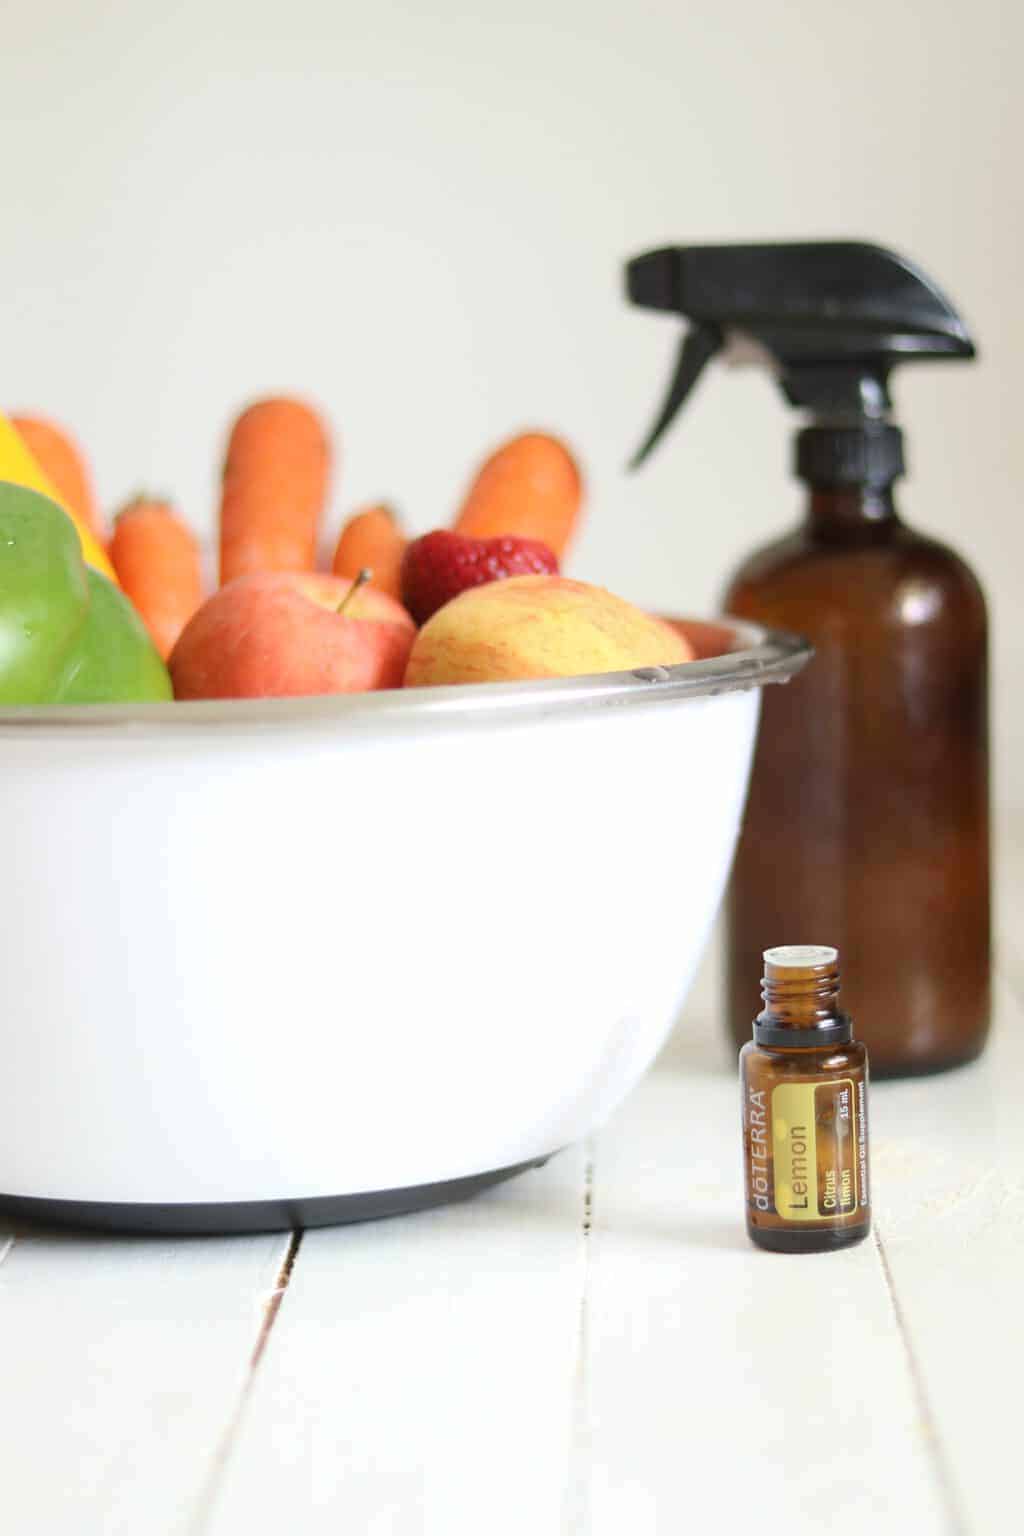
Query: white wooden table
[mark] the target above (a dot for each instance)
(593, 1348)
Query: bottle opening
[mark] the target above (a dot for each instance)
(800, 955)
(800, 988)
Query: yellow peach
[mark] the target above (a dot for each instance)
(538, 626)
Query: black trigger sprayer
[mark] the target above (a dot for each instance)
(832, 319)
(867, 821)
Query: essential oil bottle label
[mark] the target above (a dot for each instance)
(818, 1150)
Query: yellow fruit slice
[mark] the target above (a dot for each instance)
(18, 467)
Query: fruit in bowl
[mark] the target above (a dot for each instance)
(441, 564)
(530, 486)
(67, 634)
(539, 626)
(488, 591)
(277, 634)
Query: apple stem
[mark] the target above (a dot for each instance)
(364, 576)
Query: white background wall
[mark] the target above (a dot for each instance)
(417, 215)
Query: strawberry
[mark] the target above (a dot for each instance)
(440, 565)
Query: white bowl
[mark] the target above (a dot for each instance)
(292, 961)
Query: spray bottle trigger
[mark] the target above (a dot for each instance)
(700, 344)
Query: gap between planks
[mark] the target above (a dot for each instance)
(271, 1308)
(958, 1525)
(274, 1301)
(577, 1516)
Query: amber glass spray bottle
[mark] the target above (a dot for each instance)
(868, 811)
(804, 1083)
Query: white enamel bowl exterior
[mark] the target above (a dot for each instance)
(314, 947)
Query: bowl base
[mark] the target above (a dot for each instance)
(222, 1217)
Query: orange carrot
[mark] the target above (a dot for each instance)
(157, 561)
(63, 462)
(530, 487)
(275, 484)
(372, 538)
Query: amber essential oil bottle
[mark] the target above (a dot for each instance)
(805, 1121)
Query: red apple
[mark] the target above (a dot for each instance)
(279, 634)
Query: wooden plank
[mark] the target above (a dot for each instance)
(124, 1361)
(950, 1199)
(731, 1389)
(419, 1377)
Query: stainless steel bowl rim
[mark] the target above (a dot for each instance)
(758, 656)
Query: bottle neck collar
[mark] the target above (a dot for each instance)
(837, 1030)
(841, 509)
(864, 457)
